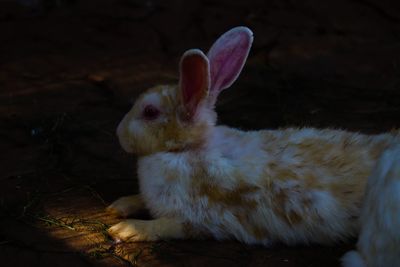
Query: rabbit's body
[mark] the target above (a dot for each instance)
(293, 185)
(259, 187)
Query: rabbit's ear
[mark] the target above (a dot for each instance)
(227, 57)
(194, 81)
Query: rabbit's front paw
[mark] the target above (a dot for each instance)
(133, 230)
(153, 230)
(126, 206)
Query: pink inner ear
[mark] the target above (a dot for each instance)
(194, 80)
(227, 57)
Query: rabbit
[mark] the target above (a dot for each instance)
(199, 180)
(379, 240)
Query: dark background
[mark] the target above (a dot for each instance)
(69, 70)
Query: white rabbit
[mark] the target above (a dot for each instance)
(259, 187)
(379, 241)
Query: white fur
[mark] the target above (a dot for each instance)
(353, 259)
(226, 154)
(379, 240)
(152, 99)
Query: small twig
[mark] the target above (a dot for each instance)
(54, 221)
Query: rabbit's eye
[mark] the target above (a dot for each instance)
(150, 112)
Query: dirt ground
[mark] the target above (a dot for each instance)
(69, 70)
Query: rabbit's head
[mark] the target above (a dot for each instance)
(177, 118)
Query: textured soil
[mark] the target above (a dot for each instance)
(69, 70)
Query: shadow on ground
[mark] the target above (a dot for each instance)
(69, 70)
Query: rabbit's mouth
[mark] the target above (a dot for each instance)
(126, 145)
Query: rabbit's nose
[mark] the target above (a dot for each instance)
(123, 136)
